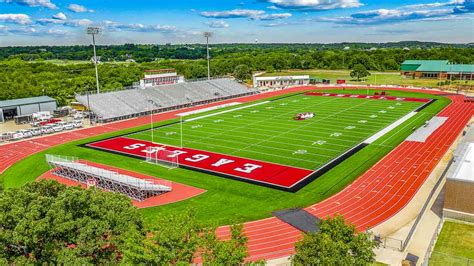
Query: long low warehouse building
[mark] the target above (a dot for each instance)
(9, 109)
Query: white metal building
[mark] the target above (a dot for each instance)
(280, 81)
(25, 106)
(160, 77)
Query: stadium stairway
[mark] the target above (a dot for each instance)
(393, 181)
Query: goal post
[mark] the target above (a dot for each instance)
(161, 156)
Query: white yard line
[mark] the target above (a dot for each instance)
(203, 110)
(226, 111)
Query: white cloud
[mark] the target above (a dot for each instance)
(79, 9)
(68, 23)
(420, 12)
(236, 13)
(33, 3)
(22, 19)
(436, 4)
(244, 13)
(115, 26)
(314, 4)
(57, 32)
(274, 16)
(217, 24)
(60, 16)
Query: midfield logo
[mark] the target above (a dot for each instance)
(304, 116)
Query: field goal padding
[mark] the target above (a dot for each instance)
(161, 156)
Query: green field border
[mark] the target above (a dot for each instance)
(228, 201)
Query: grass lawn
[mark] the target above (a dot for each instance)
(229, 201)
(393, 78)
(455, 245)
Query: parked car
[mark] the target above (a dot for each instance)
(47, 129)
(16, 136)
(50, 121)
(36, 131)
(57, 127)
(25, 133)
(68, 126)
(78, 123)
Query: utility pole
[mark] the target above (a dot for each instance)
(94, 31)
(207, 35)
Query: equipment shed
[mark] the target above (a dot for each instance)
(25, 106)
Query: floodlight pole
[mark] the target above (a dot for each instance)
(93, 31)
(207, 35)
(151, 120)
(181, 129)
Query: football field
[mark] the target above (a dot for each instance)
(267, 131)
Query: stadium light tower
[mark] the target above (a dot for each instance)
(207, 35)
(94, 31)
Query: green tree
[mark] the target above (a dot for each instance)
(179, 239)
(47, 223)
(336, 243)
(225, 252)
(242, 72)
(359, 71)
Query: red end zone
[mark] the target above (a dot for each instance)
(263, 173)
(376, 97)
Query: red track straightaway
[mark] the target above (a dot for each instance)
(374, 197)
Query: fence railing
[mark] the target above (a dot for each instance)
(433, 242)
(426, 205)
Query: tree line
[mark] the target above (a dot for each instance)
(23, 76)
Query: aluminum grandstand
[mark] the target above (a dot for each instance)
(135, 188)
(118, 105)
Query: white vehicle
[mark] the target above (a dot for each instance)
(46, 115)
(16, 136)
(68, 126)
(47, 129)
(4, 137)
(78, 124)
(58, 127)
(78, 116)
(36, 131)
(26, 133)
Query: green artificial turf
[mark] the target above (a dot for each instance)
(269, 132)
(228, 201)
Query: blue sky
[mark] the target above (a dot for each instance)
(55, 22)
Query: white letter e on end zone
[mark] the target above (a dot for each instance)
(248, 168)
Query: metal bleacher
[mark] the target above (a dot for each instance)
(117, 105)
(135, 188)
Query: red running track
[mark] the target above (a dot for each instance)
(374, 197)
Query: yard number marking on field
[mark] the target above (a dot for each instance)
(300, 152)
(319, 142)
